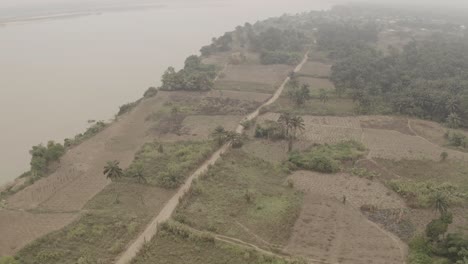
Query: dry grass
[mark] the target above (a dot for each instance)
(245, 86)
(333, 107)
(270, 74)
(358, 191)
(399, 124)
(316, 69)
(18, 228)
(200, 127)
(317, 84)
(325, 228)
(239, 95)
(113, 218)
(242, 197)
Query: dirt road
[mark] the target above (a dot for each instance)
(170, 207)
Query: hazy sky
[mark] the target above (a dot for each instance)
(22, 3)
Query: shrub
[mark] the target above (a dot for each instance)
(327, 158)
(420, 194)
(168, 165)
(270, 130)
(126, 108)
(90, 132)
(152, 91)
(43, 156)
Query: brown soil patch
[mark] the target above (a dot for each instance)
(18, 228)
(387, 123)
(270, 74)
(358, 191)
(431, 131)
(329, 231)
(316, 69)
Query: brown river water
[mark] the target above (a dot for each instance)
(78, 63)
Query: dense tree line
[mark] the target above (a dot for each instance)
(195, 76)
(428, 79)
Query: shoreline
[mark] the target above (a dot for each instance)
(74, 14)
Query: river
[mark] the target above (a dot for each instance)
(80, 62)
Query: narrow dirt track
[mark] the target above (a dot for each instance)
(171, 205)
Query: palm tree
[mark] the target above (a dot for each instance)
(285, 121)
(323, 96)
(440, 203)
(453, 120)
(235, 138)
(112, 170)
(138, 173)
(296, 123)
(219, 134)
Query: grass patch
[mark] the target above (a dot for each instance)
(422, 194)
(317, 84)
(114, 217)
(244, 86)
(174, 244)
(453, 171)
(242, 193)
(327, 158)
(333, 107)
(168, 164)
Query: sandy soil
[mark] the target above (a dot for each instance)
(18, 228)
(326, 223)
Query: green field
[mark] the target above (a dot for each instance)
(243, 197)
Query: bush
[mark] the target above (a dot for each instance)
(327, 158)
(420, 194)
(168, 165)
(270, 130)
(90, 132)
(182, 231)
(195, 76)
(152, 91)
(126, 108)
(43, 156)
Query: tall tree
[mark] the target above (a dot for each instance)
(297, 124)
(440, 203)
(112, 170)
(285, 121)
(219, 135)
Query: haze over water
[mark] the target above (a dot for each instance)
(58, 73)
